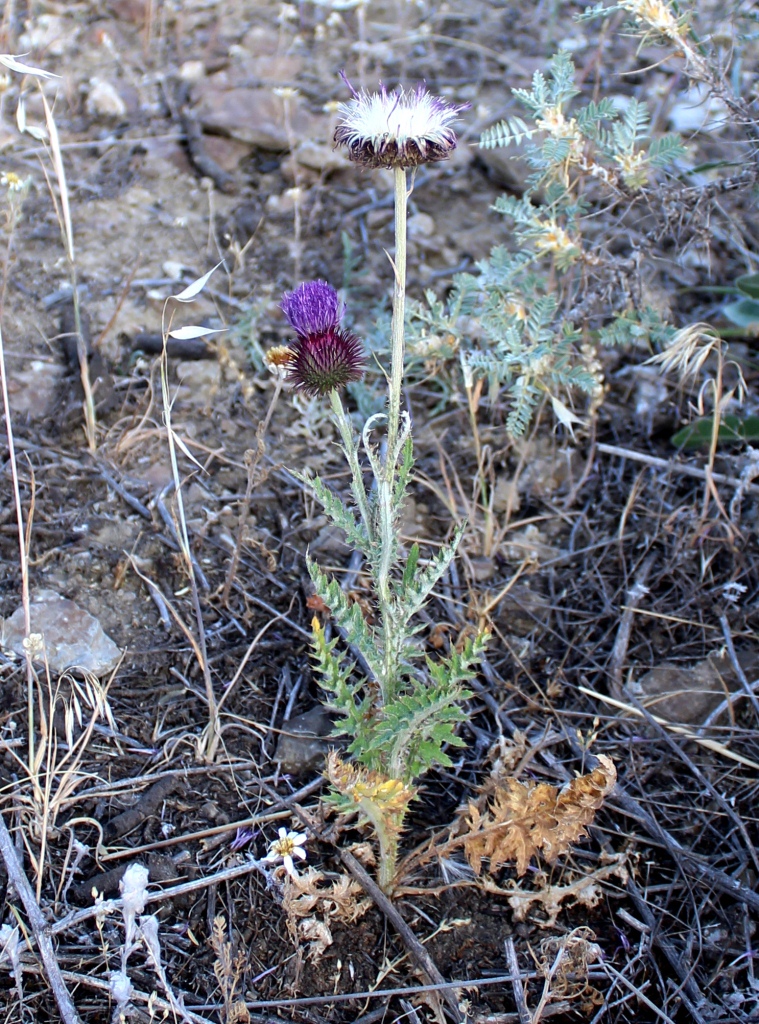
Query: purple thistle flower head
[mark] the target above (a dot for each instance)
(325, 361)
(313, 308)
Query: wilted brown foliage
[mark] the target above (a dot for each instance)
(524, 819)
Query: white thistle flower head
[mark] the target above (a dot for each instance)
(287, 846)
(396, 129)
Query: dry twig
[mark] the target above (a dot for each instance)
(40, 927)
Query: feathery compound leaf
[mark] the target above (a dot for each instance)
(525, 397)
(521, 210)
(666, 149)
(589, 118)
(524, 819)
(563, 86)
(513, 130)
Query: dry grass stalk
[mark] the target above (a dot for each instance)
(64, 218)
(229, 970)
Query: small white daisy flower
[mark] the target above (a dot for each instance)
(396, 129)
(11, 181)
(287, 846)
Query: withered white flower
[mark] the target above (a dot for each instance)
(287, 846)
(396, 129)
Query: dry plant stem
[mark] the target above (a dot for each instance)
(272, 404)
(737, 665)
(23, 552)
(252, 459)
(40, 927)
(297, 176)
(719, 799)
(635, 595)
(390, 993)
(673, 467)
(525, 1016)
(183, 889)
(68, 241)
(719, 879)
(212, 733)
(154, 1001)
(638, 992)
(685, 731)
(473, 394)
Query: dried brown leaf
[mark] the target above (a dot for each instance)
(310, 906)
(524, 819)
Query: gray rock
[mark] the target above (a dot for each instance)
(72, 637)
(252, 115)
(689, 693)
(302, 744)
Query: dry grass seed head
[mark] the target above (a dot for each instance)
(688, 350)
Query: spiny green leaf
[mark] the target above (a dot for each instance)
(349, 617)
(355, 534)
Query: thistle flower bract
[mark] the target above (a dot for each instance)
(325, 362)
(324, 357)
(396, 129)
(314, 307)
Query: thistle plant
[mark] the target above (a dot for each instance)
(398, 708)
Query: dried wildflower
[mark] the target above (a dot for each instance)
(396, 129)
(313, 308)
(278, 357)
(287, 846)
(326, 362)
(554, 238)
(656, 14)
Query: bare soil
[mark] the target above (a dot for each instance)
(179, 156)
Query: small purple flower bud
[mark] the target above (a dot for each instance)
(313, 308)
(242, 837)
(325, 361)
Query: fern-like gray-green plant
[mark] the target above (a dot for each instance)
(522, 302)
